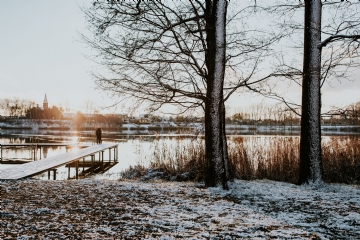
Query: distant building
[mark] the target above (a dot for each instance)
(45, 103)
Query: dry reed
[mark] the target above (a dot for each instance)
(341, 159)
(275, 158)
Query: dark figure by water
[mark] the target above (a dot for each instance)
(98, 136)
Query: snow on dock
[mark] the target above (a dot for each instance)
(47, 164)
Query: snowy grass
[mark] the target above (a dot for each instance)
(104, 209)
(274, 158)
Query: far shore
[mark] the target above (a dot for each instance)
(69, 125)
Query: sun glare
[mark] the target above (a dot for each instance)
(74, 140)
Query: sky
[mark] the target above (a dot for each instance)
(41, 53)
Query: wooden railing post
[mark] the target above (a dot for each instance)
(102, 160)
(92, 163)
(77, 169)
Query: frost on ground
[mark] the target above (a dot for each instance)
(103, 209)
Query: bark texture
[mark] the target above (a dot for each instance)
(310, 143)
(216, 174)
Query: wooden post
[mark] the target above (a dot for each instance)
(34, 153)
(77, 169)
(69, 170)
(109, 154)
(114, 154)
(40, 152)
(49, 174)
(54, 172)
(83, 164)
(92, 163)
(102, 160)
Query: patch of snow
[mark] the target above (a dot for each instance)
(171, 210)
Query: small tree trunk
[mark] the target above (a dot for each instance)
(310, 143)
(216, 174)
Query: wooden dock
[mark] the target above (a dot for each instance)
(34, 148)
(51, 163)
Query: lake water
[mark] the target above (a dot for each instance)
(133, 147)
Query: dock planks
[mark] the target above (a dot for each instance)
(39, 166)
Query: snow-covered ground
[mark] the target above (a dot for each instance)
(104, 209)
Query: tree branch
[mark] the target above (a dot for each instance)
(334, 38)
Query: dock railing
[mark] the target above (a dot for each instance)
(71, 158)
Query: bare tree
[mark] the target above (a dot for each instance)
(27, 104)
(5, 105)
(331, 58)
(90, 107)
(16, 107)
(311, 168)
(67, 106)
(310, 142)
(216, 173)
(350, 112)
(174, 53)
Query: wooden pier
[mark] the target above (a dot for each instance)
(70, 158)
(34, 147)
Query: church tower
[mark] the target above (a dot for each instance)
(45, 103)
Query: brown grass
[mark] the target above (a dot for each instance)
(179, 156)
(275, 158)
(341, 159)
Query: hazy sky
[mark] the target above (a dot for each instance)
(40, 53)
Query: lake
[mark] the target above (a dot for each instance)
(133, 146)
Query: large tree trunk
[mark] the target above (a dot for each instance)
(215, 139)
(310, 143)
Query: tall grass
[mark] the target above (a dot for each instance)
(275, 158)
(341, 159)
(179, 156)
